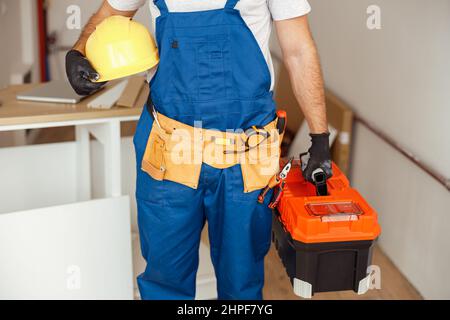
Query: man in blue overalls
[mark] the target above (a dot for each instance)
(215, 68)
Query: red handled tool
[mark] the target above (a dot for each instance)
(277, 195)
(282, 121)
(276, 180)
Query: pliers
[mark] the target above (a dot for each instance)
(277, 180)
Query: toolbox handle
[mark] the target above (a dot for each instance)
(318, 176)
(320, 181)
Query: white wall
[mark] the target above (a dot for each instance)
(398, 78)
(10, 11)
(18, 37)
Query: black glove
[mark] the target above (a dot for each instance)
(319, 156)
(81, 74)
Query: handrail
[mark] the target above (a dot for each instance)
(426, 168)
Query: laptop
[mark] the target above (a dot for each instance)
(53, 92)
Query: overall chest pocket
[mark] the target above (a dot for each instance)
(200, 67)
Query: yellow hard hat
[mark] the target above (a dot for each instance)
(121, 47)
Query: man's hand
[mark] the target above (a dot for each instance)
(81, 74)
(319, 157)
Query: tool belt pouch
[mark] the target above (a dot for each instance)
(261, 164)
(153, 162)
(172, 156)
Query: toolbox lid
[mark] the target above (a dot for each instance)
(343, 215)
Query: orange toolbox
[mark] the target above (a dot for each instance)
(325, 242)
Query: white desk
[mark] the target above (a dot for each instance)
(104, 125)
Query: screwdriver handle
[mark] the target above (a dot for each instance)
(282, 121)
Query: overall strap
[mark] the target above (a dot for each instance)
(231, 4)
(162, 6)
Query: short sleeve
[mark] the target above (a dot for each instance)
(126, 5)
(288, 9)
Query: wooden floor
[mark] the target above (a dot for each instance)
(278, 287)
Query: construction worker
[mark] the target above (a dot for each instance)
(215, 68)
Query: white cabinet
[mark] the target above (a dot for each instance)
(75, 251)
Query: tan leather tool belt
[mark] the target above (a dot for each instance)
(176, 152)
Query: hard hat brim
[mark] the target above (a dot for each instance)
(127, 71)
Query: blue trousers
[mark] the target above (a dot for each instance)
(171, 218)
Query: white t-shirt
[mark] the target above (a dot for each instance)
(258, 14)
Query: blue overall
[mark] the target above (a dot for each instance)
(212, 70)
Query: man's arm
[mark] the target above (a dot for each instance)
(302, 62)
(80, 73)
(105, 11)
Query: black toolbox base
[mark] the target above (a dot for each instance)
(323, 267)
